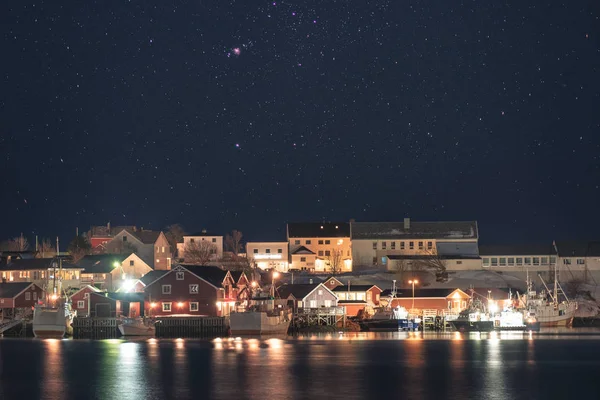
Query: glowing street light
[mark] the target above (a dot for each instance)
(413, 282)
(273, 277)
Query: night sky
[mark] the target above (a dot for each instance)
(250, 114)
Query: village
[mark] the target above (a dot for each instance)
(331, 275)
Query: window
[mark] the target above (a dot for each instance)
(486, 262)
(552, 260)
(360, 296)
(27, 295)
(503, 261)
(328, 242)
(393, 245)
(214, 240)
(296, 242)
(384, 260)
(327, 303)
(420, 245)
(255, 251)
(519, 260)
(494, 261)
(313, 304)
(511, 261)
(268, 251)
(383, 245)
(429, 245)
(374, 245)
(580, 261)
(179, 275)
(35, 295)
(544, 260)
(320, 292)
(80, 304)
(536, 261)
(567, 261)
(194, 289)
(124, 238)
(192, 240)
(163, 249)
(374, 260)
(401, 245)
(327, 253)
(279, 251)
(411, 245)
(166, 307)
(527, 260)
(458, 262)
(308, 242)
(194, 306)
(320, 242)
(166, 289)
(320, 253)
(302, 259)
(131, 263)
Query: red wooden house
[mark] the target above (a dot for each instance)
(191, 290)
(442, 300)
(15, 295)
(355, 298)
(100, 305)
(80, 300)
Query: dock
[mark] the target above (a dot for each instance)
(95, 328)
(191, 327)
(324, 316)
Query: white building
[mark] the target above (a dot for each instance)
(269, 255)
(213, 244)
(455, 242)
(320, 246)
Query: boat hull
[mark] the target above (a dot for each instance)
(258, 323)
(50, 323)
(49, 332)
(473, 326)
(389, 325)
(136, 330)
(567, 322)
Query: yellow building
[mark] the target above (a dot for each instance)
(320, 247)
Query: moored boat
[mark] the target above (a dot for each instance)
(260, 322)
(387, 319)
(52, 321)
(136, 327)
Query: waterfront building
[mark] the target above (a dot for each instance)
(450, 301)
(305, 296)
(18, 295)
(151, 246)
(201, 247)
(320, 247)
(357, 298)
(453, 244)
(268, 255)
(47, 273)
(80, 300)
(112, 272)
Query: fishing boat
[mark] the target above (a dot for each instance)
(388, 319)
(53, 321)
(136, 327)
(551, 308)
(257, 321)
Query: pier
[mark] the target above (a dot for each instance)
(324, 316)
(191, 327)
(95, 328)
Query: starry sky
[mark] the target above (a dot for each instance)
(249, 114)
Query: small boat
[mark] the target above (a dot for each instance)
(472, 320)
(260, 322)
(53, 321)
(387, 319)
(136, 327)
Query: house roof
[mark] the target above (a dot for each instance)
(29, 264)
(109, 231)
(353, 288)
(417, 230)
(351, 302)
(152, 276)
(318, 229)
(213, 275)
(93, 289)
(202, 233)
(100, 263)
(130, 297)
(408, 293)
(516, 250)
(236, 275)
(10, 290)
(578, 248)
(299, 291)
(144, 236)
(302, 250)
(427, 257)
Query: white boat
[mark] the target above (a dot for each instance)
(53, 322)
(260, 322)
(136, 327)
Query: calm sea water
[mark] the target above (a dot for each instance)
(349, 366)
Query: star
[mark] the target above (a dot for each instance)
(237, 51)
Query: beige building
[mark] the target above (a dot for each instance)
(112, 272)
(376, 244)
(204, 242)
(320, 247)
(151, 246)
(269, 255)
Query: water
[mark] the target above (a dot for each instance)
(349, 366)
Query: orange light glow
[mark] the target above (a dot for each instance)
(152, 305)
(180, 304)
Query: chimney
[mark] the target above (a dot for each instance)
(108, 227)
(406, 223)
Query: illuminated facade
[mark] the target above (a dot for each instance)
(206, 242)
(269, 255)
(320, 247)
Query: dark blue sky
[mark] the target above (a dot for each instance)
(248, 114)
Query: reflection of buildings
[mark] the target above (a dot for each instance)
(269, 255)
(320, 246)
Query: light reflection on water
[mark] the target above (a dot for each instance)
(350, 366)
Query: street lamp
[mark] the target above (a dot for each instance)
(413, 282)
(273, 277)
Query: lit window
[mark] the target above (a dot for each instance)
(193, 306)
(80, 304)
(166, 307)
(567, 261)
(166, 289)
(163, 249)
(320, 292)
(580, 261)
(179, 275)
